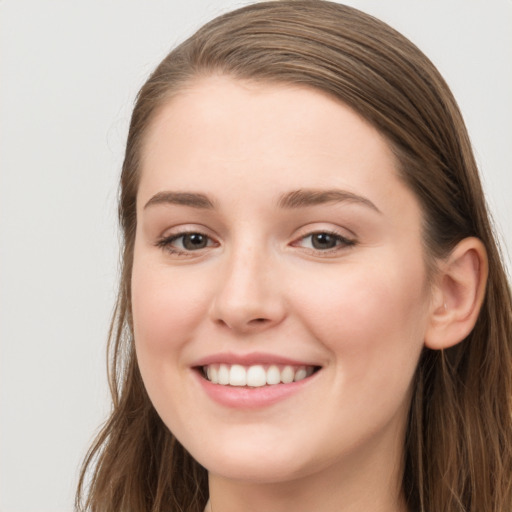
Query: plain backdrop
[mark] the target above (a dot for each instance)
(69, 73)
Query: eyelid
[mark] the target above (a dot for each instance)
(325, 227)
(343, 242)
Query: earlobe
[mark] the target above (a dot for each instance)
(458, 294)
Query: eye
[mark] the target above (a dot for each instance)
(183, 243)
(324, 241)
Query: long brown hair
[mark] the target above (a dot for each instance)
(458, 447)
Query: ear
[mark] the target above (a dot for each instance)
(458, 294)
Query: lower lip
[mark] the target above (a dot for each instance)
(251, 398)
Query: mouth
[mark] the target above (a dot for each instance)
(255, 376)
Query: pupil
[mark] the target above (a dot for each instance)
(323, 241)
(194, 241)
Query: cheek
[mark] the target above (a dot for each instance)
(166, 314)
(166, 308)
(373, 322)
(370, 316)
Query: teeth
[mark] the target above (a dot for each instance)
(300, 374)
(273, 375)
(237, 376)
(287, 375)
(255, 376)
(223, 374)
(213, 374)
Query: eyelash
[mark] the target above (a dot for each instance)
(166, 243)
(342, 242)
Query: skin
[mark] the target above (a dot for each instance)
(359, 311)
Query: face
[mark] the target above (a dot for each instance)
(279, 289)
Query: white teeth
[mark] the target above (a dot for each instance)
(213, 374)
(287, 375)
(255, 376)
(273, 375)
(223, 374)
(237, 376)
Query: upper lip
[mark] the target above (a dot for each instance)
(250, 359)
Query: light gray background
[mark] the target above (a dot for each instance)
(69, 74)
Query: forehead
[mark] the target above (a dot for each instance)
(230, 135)
(222, 101)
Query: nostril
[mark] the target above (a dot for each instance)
(254, 321)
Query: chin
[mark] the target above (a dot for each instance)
(254, 471)
(255, 462)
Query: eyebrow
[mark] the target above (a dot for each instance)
(191, 199)
(301, 198)
(310, 197)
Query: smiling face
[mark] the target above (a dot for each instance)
(278, 255)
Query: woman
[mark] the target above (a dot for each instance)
(313, 314)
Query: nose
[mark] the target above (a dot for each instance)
(249, 297)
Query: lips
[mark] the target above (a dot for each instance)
(253, 380)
